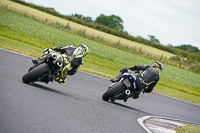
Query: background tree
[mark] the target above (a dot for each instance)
(112, 21)
(188, 47)
(152, 38)
(77, 15)
(170, 45)
(88, 19)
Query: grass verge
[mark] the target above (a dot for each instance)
(188, 129)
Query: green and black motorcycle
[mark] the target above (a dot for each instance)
(45, 69)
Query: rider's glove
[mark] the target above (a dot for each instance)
(46, 51)
(56, 48)
(132, 68)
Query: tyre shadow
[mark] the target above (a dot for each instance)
(127, 107)
(50, 89)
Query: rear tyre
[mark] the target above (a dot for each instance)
(35, 73)
(112, 91)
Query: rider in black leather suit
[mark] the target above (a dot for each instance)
(146, 80)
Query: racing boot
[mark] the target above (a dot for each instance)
(126, 98)
(136, 94)
(116, 79)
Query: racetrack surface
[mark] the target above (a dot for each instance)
(76, 106)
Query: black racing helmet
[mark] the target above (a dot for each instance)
(158, 65)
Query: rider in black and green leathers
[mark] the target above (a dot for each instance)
(75, 63)
(70, 51)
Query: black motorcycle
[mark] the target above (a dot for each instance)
(45, 69)
(123, 89)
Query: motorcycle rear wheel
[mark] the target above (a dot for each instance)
(35, 73)
(112, 91)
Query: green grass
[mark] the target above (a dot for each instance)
(188, 129)
(75, 26)
(27, 36)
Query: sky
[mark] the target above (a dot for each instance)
(174, 22)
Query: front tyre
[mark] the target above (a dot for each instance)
(35, 73)
(112, 91)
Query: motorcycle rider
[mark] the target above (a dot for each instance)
(145, 81)
(80, 52)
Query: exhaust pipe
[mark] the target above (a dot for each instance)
(59, 64)
(54, 56)
(128, 92)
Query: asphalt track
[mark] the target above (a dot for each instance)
(76, 106)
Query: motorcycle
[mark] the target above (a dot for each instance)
(45, 69)
(122, 89)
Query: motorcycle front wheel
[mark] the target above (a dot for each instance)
(35, 73)
(112, 91)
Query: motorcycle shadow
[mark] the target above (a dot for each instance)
(49, 89)
(128, 107)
